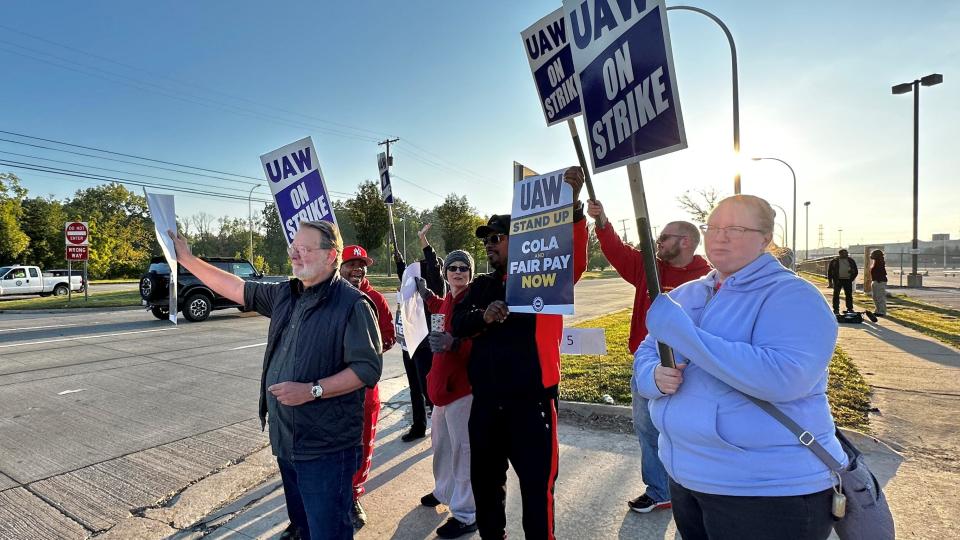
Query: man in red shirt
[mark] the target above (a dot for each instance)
(676, 265)
(354, 270)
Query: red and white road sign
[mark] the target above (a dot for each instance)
(77, 253)
(77, 233)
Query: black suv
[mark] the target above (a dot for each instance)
(194, 299)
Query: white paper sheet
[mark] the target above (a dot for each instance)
(411, 309)
(165, 219)
(583, 341)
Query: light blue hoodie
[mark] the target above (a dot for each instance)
(767, 333)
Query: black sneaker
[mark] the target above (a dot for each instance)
(358, 516)
(414, 434)
(645, 504)
(429, 500)
(292, 532)
(454, 528)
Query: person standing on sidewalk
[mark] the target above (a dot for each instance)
(354, 270)
(841, 272)
(323, 348)
(514, 371)
(749, 328)
(676, 265)
(878, 289)
(449, 390)
(416, 364)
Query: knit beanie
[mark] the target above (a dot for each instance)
(461, 256)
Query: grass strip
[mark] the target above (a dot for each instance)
(97, 300)
(587, 378)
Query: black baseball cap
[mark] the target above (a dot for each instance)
(498, 223)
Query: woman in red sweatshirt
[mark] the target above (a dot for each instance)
(449, 390)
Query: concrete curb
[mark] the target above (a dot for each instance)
(599, 409)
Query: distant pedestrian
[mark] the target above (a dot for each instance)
(878, 274)
(748, 328)
(449, 390)
(354, 270)
(676, 265)
(841, 272)
(323, 349)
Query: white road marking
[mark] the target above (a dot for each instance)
(70, 391)
(249, 346)
(82, 337)
(39, 327)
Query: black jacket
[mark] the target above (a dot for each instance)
(833, 269)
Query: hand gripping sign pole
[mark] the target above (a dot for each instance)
(628, 95)
(547, 46)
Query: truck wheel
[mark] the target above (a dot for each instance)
(161, 313)
(61, 290)
(197, 307)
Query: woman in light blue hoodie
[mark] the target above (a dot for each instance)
(749, 327)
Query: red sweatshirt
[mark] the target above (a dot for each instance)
(447, 379)
(384, 315)
(629, 263)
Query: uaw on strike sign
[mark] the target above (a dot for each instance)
(548, 51)
(622, 55)
(540, 273)
(297, 186)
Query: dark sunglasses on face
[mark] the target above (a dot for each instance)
(458, 268)
(493, 239)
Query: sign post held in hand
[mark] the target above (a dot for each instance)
(629, 98)
(546, 44)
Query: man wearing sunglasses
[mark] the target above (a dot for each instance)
(676, 265)
(514, 370)
(323, 349)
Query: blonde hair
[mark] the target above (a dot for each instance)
(329, 237)
(760, 207)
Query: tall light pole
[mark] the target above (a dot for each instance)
(915, 279)
(806, 243)
(736, 84)
(794, 198)
(785, 227)
(840, 240)
(250, 217)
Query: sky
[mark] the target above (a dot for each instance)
(215, 84)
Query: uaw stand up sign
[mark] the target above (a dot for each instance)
(540, 273)
(297, 185)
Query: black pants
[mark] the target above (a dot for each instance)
(417, 368)
(525, 435)
(847, 286)
(700, 516)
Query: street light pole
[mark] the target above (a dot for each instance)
(250, 217)
(785, 227)
(915, 280)
(794, 198)
(736, 84)
(806, 243)
(840, 240)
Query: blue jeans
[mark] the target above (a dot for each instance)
(651, 468)
(319, 493)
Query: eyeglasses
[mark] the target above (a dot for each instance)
(494, 239)
(458, 268)
(733, 232)
(302, 250)
(664, 237)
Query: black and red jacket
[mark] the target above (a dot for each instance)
(518, 359)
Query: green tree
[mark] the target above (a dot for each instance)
(367, 214)
(458, 222)
(121, 231)
(595, 257)
(274, 244)
(13, 241)
(43, 221)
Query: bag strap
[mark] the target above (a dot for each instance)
(805, 437)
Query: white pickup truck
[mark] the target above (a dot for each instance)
(30, 280)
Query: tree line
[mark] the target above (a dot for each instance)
(122, 240)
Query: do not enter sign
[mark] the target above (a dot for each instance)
(77, 233)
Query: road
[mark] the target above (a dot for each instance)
(106, 411)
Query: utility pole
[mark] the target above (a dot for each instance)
(820, 237)
(806, 243)
(623, 225)
(840, 241)
(393, 230)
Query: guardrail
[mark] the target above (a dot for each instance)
(815, 266)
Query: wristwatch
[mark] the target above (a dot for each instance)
(316, 390)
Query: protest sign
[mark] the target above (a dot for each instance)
(540, 273)
(385, 188)
(164, 216)
(583, 341)
(548, 52)
(628, 87)
(412, 312)
(297, 185)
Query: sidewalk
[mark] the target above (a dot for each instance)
(915, 381)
